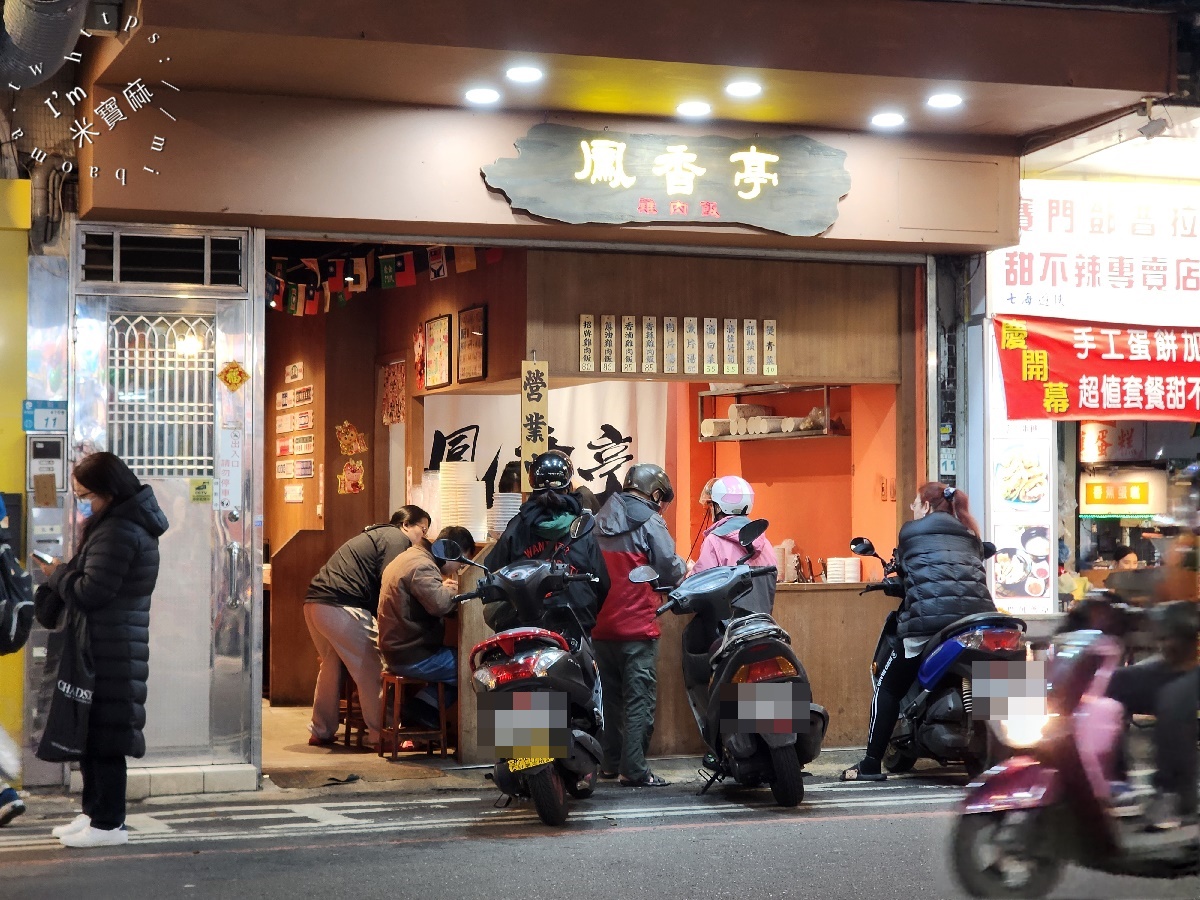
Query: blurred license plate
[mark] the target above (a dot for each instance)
(528, 762)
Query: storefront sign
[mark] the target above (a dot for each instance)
(789, 184)
(1112, 252)
(535, 412)
(1101, 442)
(1024, 571)
(1130, 493)
(1059, 369)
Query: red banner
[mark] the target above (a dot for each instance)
(1060, 369)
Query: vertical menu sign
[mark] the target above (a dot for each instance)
(229, 469)
(535, 410)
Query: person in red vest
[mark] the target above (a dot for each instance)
(632, 533)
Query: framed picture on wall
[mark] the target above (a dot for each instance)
(437, 352)
(472, 344)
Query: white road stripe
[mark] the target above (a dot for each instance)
(342, 825)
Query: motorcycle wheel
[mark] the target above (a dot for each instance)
(987, 868)
(788, 784)
(898, 761)
(549, 796)
(582, 788)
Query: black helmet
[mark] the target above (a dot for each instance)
(651, 480)
(551, 470)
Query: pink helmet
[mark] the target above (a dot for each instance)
(732, 495)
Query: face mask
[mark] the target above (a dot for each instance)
(84, 506)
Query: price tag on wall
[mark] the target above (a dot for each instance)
(535, 413)
(750, 345)
(628, 343)
(649, 344)
(670, 340)
(608, 346)
(587, 343)
(770, 348)
(711, 341)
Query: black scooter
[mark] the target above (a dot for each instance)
(550, 654)
(736, 662)
(936, 719)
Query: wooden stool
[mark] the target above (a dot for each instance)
(350, 711)
(393, 733)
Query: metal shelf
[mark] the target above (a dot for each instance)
(774, 436)
(759, 389)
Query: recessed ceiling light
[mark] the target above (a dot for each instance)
(887, 120)
(944, 101)
(693, 108)
(524, 74)
(482, 95)
(743, 89)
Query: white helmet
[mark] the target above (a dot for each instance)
(732, 495)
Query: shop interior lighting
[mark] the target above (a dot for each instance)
(693, 108)
(482, 96)
(524, 74)
(887, 120)
(189, 345)
(944, 101)
(743, 89)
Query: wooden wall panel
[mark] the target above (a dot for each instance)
(293, 657)
(838, 323)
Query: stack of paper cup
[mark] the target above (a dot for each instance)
(853, 569)
(504, 509)
(835, 570)
(462, 500)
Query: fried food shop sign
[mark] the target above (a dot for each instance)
(789, 184)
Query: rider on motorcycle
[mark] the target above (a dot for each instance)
(730, 500)
(940, 559)
(540, 531)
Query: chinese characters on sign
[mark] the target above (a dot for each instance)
(608, 349)
(649, 344)
(1068, 370)
(1133, 493)
(789, 184)
(1101, 442)
(535, 411)
(628, 343)
(670, 345)
(731, 347)
(587, 343)
(1111, 252)
(770, 348)
(710, 347)
(691, 345)
(750, 346)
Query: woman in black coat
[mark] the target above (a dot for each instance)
(109, 581)
(940, 559)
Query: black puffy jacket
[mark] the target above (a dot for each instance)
(941, 562)
(539, 534)
(110, 581)
(353, 574)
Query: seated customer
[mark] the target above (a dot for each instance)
(416, 596)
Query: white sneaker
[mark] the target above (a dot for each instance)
(95, 837)
(79, 823)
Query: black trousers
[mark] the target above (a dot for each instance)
(104, 790)
(1151, 688)
(898, 675)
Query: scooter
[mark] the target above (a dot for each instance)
(936, 714)
(551, 654)
(1034, 813)
(736, 660)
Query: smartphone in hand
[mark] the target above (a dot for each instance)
(42, 556)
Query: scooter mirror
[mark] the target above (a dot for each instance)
(643, 575)
(862, 546)
(581, 525)
(446, 551)
(989, 549)
(751, 532)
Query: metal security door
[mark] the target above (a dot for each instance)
(151, 382)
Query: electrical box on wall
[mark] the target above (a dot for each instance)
(47, 455)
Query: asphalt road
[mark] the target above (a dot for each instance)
(845, 841)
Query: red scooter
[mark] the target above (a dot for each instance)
(1031, 815)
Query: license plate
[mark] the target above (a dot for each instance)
(527, 762)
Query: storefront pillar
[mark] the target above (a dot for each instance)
(14, 278)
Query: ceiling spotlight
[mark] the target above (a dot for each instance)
(693, 108)
(743, 89)
(887, 120)
(524, 74)
(944, 101)
(482, 95)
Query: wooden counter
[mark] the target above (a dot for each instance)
(834, 632)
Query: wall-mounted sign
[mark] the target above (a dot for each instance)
(302, 396)
(711, 366)
(535, 412)
(293, 493)
(285, 424)
(303, 443)
(670, 345)
(303, 468)
(293, 373)
(691, 345)
(628, 343)
(285, 469)
(1126, 493)
(1102, 250)
(283, 446)
(770, 348)
(1101, 442)
(200, 490)
(789, 184)
(1062, 369)
(608, 343)
(304, 420)
(44, 415)
(283, 400)
(587, 343)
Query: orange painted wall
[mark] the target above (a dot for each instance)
(818, 491)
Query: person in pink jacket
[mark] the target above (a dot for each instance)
(730, 500)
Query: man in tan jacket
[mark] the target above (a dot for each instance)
(415, 597)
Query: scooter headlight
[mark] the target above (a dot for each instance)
(1023, 731)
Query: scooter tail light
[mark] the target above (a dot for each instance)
(764, 670)
(992, 640)
(535, 665)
